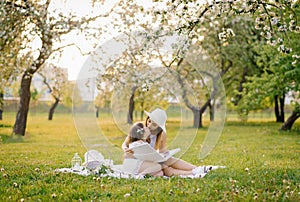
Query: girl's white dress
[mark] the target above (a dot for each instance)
(132, 165)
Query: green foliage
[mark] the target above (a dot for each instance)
(235, 54)
(103, 98)
(71, 95)
(146, 99)
(262, 164)
(104, 170)
(280, 75)
(10, 42)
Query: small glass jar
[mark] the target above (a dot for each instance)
(76, 162)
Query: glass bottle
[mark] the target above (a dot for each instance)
(76, 162)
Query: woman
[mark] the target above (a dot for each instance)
(137, 135)
(156, 123)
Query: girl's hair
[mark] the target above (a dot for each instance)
(136, 132)
(159, 136)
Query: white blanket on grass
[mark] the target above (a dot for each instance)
(94, 161)
(117, 173)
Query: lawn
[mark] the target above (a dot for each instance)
(263, 164)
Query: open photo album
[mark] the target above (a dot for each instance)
(147, 153)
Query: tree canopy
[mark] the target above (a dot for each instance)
(253, 44)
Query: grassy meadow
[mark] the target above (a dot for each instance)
(263, 164)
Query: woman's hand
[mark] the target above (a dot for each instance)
(127, 150)
(128, 153)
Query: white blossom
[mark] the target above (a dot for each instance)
(275, 21)
(282, 28)
(268, 35)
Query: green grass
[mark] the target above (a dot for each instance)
(263, 164)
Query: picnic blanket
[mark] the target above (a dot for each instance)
(96, 164)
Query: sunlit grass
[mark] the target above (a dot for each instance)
(262, 164)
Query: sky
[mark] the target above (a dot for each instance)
(71, 57)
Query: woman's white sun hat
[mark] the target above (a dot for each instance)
(159, 116)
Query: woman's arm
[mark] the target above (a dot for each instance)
(125, 144)
(128, 153)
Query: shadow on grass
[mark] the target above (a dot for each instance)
(296, 125)
(252, 123)
(5, 139)
(5, 125)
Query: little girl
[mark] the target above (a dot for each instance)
(137, 135)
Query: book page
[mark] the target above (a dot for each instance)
(147, 153)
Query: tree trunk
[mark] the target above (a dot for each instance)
(290, 121)
(211, 111)
(197, 118)
(279, 108)
(52, 109)
(240, 88)
(97, 111)
(130, 110)
(21, 119)
(281, 101)
(131, 106)
(276, 108)
(1, 104)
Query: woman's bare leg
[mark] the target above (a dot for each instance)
(179, 164)
(149, 167)
(158, 174)
(169, 171)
